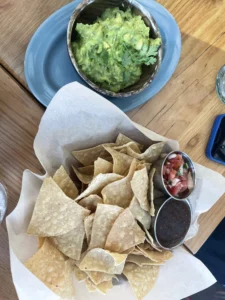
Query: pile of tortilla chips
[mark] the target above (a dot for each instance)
(97, 225)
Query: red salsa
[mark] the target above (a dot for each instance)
(177, 176)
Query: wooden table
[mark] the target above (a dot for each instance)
(184, 110)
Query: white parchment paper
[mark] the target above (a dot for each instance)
(79, 118)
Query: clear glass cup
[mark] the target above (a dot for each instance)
(220, 84)
(3, 202)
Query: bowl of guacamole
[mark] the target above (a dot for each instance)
(115, 46)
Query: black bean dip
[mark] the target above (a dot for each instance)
(173, 223)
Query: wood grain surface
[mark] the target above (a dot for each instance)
(19, 119)
(184, 110)
(19, 19)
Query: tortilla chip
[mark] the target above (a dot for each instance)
(155, 255)
(88, 224)
(103, 261)
(40, 241)
(152, 245)
(90, 202)
(141, 260)
(67, 291)
(98, 183)
(54, 213)
(105, 286)
(77, 262)
(102, 166)
(140, 214)
(125, 233)
(139, 185)
(88, 156)
(150, 241)
(120, 192)
(47, 250)
(84, 178)
(80, 275)
(142, 164)
(123, 148)
(123, 139)
(145, 245)
(151, 192)
(128, 251)
(98, 277)
(90, 285)
(105, 216)
(121, 161)
(141, 279)
(136, 252)
(71, 243)
(88, 170)
(150, 155)
(48, 265)
(65, 183)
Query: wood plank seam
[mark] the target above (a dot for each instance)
(23, 87)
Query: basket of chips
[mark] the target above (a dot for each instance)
(84, 228)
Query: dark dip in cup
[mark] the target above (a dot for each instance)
(172, 223)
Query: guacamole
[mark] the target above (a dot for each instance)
(111, 51)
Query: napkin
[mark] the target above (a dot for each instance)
(79, 118)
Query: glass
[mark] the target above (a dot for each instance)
(220, 84)
(3, 202)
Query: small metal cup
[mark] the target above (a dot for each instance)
(158, 177)
(159, 207)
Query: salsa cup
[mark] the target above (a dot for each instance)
(159, 180)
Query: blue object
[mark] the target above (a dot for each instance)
(212, 253)
(48, 67)
(216, 145)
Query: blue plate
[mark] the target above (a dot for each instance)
(48, 67)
